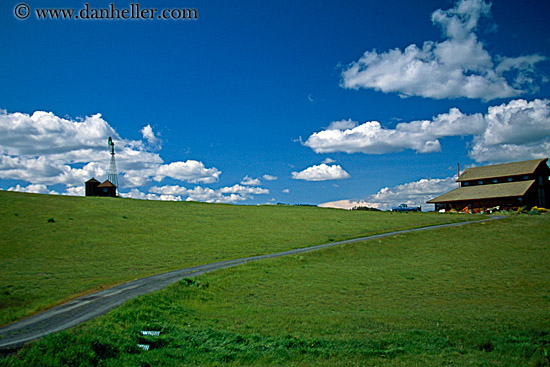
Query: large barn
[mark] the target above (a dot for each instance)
(509, 185)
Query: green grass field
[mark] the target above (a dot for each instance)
(471, 296)
(53, 248)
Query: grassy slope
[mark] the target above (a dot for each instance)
(98, 242)
(469, 296)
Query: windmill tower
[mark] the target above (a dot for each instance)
(112, 175)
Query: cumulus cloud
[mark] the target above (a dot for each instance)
(74, 191)
(44, 149)
(249, 181)
(348, 204)
(152, 139)
(209, 195)
(512, 131)
(137, 194)
(371, 138)
(43, 133)
(342, 124)
(269, 177)
(32, 188)
(243, 190)
(232, 194)
(190, 171)
(412, 193)
(459, 66)
(321, 172)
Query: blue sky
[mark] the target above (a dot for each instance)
(274, 101)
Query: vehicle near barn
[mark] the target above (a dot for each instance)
(406, 208)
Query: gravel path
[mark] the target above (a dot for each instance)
(87, 307)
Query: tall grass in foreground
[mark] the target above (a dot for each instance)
(53, 248)
(471, 296)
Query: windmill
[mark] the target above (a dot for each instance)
(93, 187)
(112, 175)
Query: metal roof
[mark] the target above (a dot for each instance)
(501, 170)
(493, 191)
(106, 183)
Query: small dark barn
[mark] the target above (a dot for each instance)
(107, 188)
(91, 187)
(509, 185)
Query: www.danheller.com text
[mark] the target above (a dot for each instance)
(88, 12)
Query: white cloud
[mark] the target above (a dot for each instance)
(243, 190)
(348, 204)
(342, 124)
(149, 135)
(371, 138)
(190, 171)
(328, 161)
(512, 131)
(412, 193)
(321, 172)
(269, 177)
(44, 133)
(44, 149)
(285, 191)
(137, 194)
(249, 181)
(232, 194)
(212, 196)
(32, 188)
(74, 191)
(457, 67)
(175, 190)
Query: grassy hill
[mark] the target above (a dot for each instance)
(53, 248)
(471, 296)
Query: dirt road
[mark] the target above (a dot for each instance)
(87, 307)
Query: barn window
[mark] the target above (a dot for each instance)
(480, 182)
(495, 180)
(510, 179)
(525, 177)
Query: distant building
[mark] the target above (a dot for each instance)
(94, 188)
(509, 185)
(90, 187)
(107, 188)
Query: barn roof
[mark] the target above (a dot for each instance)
(501, 190)
(501, 170)
(106, 183)
(92, 180)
